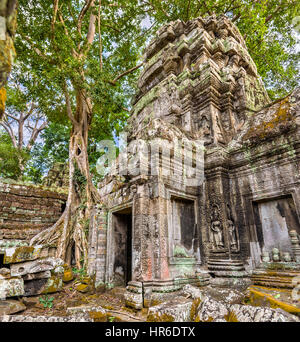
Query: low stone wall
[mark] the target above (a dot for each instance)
(25, 210)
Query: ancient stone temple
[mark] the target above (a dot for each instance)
(156, 229)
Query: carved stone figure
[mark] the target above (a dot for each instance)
(205, 126)
(275, 254)
(265, 257)
(216, 228)
(231, 230)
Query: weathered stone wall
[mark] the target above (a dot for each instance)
(260, 166)
(25, 210)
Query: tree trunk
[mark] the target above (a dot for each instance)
(70, 229)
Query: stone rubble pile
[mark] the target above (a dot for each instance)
(29, 270)
(199, 306)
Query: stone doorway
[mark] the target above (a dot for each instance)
(122, 246)
(274, 219)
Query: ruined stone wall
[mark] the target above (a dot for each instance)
(25, 210)
(272, 174)
(255, 185)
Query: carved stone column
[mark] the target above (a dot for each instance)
(295, 245)
(224, 259)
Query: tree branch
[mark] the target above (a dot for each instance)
(206, 7)
(228, 8)
(83, 11)
(100, 36)
(55, 9)
(38, 51)
(125, 73)
(92, 26)
(68, 104)
(272, 15)
(157, 9)
(12, 117)
(188, 10)
(10, 132)
(30, 111)
(35, 133)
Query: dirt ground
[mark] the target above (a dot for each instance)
(112, 301)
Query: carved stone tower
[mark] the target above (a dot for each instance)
(155, 232)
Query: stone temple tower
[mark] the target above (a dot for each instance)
(200, 77)
(154, 231)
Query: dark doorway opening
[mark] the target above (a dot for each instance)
(122, 228)
(2, 261)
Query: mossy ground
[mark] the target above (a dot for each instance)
(70, 297)
(273, 298)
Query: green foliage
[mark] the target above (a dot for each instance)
(47, 301)
(11, 159)
(54, 148)
(80, 272)
(111, 318)
(50, 58)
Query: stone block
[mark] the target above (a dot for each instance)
(210, 310)
(226, 295)
(176, 310)
(20, 254)
(4, 273)
(134, 295)
(42, 286)
(11, 306)
(11, 287)
(248, 313)
(273, 298)
(97, 313)
(68, 275)
(40, 275)
(35, 266)
(84, 288)
(4, 244)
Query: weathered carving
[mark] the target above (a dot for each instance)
(207, 60)
(216, 227)
(232, 230)
(295, 240)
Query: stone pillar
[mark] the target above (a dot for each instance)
(295, 245)
(224, 259)
(97, 245)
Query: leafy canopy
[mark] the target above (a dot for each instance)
(11, 159)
